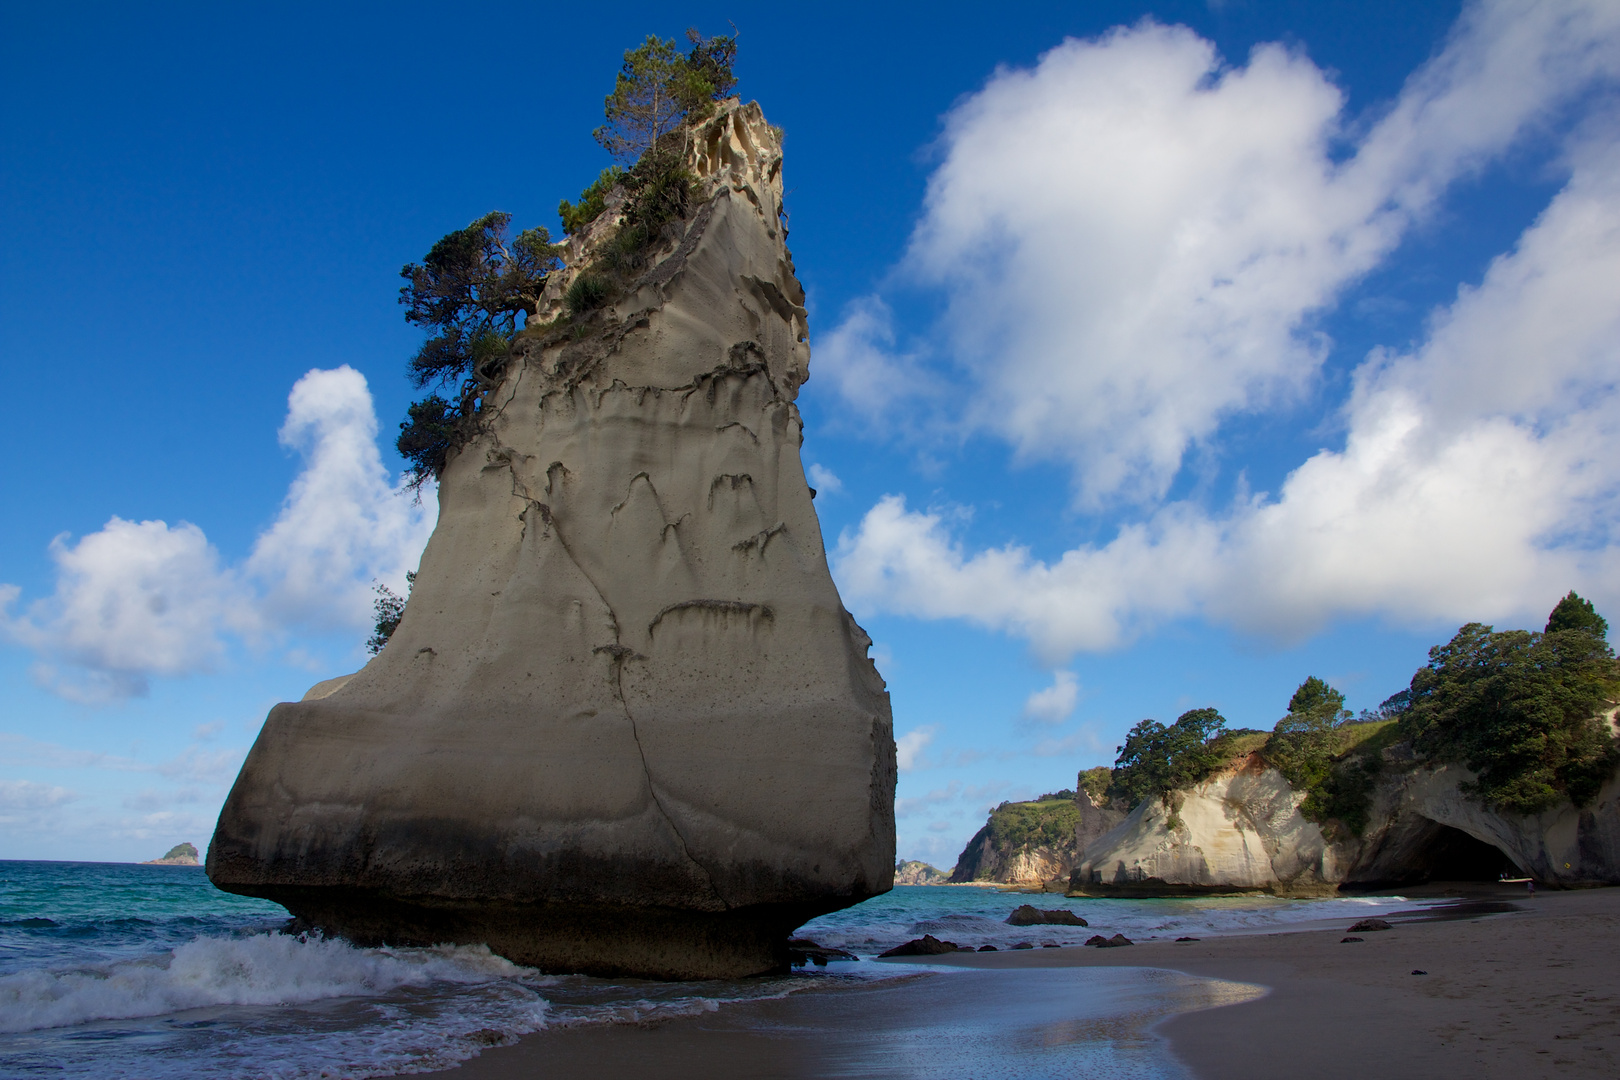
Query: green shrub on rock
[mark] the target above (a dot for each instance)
(1157, 759)
(1521, 709)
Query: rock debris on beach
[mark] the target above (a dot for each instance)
(1030, 915)
(927, 945)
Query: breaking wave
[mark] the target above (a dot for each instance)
(264, 969)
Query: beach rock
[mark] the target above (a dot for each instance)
(1029, 915)
(1369, 924)
(1186, 939)
(1027, 945)
(625, 725)
(803, 950)
(179, 855)
(988, 948)
(1344, 940)
(1110, 942)
(927, 945)
(1424, 825)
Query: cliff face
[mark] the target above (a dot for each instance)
(1029, 844)
(625, 725)
(1241, 830)
(1422, 818)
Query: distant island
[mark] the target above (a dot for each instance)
(913, 872)
(179, 855)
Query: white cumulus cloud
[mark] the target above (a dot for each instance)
(824, 480)
(345, 521)
(1134, 236)
(1479, 478)
(1053, 704)
(141, 599)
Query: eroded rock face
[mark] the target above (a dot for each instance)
(625, 725)
(1423, 818)
(1239, 830)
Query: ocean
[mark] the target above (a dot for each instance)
(131, 972)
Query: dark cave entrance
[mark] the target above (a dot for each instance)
(1447, 854)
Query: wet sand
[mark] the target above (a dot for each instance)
(1525, 993)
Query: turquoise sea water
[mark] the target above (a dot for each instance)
(123, 971)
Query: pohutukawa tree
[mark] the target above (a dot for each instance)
(468, 293)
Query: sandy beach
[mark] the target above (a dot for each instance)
(1533, 992)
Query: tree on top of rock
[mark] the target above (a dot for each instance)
(1302, 744)
(1157, 759)
(1575, 613)
(467, 293)
(658, 90)
(1522, 710)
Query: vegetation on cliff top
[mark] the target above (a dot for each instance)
(471, 288)
(1523, 710)
(1156, 759)
(1015, 827)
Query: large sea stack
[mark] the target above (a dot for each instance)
(626, 725)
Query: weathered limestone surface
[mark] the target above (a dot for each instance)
(1094, 820)
(625, 725)
(1241, 830)
(1560, 846)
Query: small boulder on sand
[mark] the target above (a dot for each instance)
(1370, 924)
(927, 945)
(1030, 915)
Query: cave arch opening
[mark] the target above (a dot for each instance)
(1448, 854)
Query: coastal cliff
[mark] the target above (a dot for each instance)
(1242, 830)
(625, 724)
(1031, 844)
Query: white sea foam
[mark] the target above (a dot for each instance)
(265, 969)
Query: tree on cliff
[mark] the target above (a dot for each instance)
(471, 289)
(1574, 613)
(1302, 744)
(1157, 759)
(657, 96)
(658, 92)
(388, 608)
(1521, 709)
(467, 293)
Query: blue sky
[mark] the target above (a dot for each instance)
(1164, 354)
